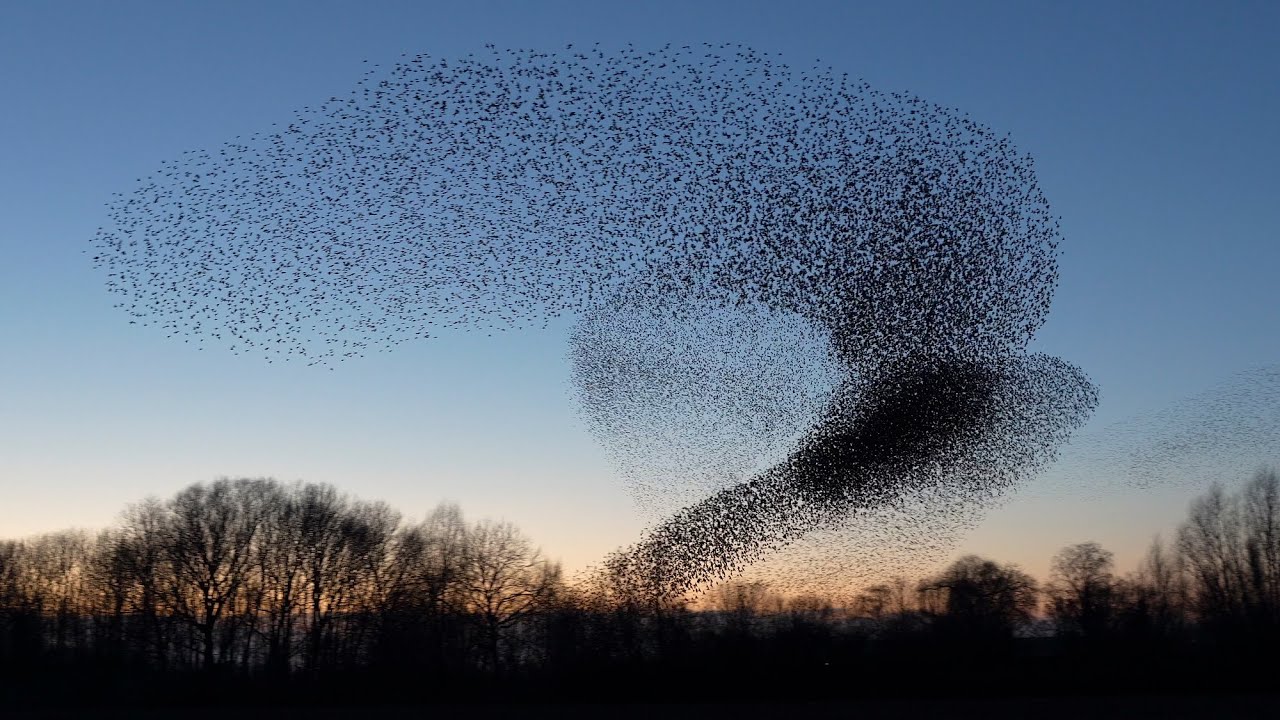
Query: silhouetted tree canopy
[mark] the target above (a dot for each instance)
(269, 583)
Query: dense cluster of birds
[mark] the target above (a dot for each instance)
(935, 442)
(839, 283)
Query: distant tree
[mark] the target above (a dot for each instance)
(1212, 545)
(1081, 589)
(873, 602)
(1150, 603)
(811, 607)
(137, 562)
(1260, 502)
(429, 561)
(504, 580)
(345, 548)
(979, 598)
(10, 566)
(746, 598)
(276, 591)
(419, 620)
(1230, 548)
(888, 599)
(209, 547)
(251, 574)
(56, 570)
(19, 631)
(108, 597)
(743, 604)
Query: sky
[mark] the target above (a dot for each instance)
(1153, 131)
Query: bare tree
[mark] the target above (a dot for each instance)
(1211, 543)
(419, 620)
(211, 530)
(745, 606)
(277, 576)
(810, 608)
(56, 569)
(895, 597)
(254, 574)
(343, 548)
(1081, 589)
(1151, 601)
(430, 558)
(504, 580)
(138, 563)
(980, 597)
(873, 602)
(747, 598)
(1260, 501)
(20, 636)
(364, 576)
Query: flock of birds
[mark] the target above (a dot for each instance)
(815, 295)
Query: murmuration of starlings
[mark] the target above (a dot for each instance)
(667, 200)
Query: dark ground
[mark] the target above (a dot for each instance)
(1089, 708)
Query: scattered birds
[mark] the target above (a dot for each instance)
(841, 283)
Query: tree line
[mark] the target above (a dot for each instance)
(259, 576)
(269, 584)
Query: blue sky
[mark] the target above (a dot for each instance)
(1152, 125)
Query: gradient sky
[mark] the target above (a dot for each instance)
(1153, 126)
